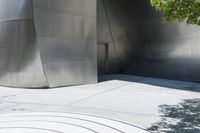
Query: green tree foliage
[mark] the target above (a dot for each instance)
(179, 10)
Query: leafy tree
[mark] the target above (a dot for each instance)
(179, 10)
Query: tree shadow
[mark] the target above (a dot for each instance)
(181, 118)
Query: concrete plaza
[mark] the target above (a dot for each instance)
(121, 103)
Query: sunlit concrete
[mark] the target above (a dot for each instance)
(116, 99)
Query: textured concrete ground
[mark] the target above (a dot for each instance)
(119, 103)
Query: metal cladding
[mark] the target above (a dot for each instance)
(52, 43)
(140, 44)
(47, 43)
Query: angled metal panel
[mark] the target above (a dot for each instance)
(61, 32)
(20, 64)
(15, 10)
(146, 45)
(66, 35)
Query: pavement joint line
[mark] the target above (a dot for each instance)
(123, 112)
(69, 103)
(97, 94)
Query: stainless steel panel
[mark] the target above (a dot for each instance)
(66, 35)
(144, 45)
(47, 43)
(15, 9)
(17, 34)
(20, 63)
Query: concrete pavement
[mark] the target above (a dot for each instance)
(120, 102)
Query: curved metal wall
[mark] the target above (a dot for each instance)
(20, 64)
(47, 43)
(145, 46)
(66, 35)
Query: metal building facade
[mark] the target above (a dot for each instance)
(52, 43)
(140, 44)
(47, 43)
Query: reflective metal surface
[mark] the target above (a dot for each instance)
(20, 64)
(47, 43)
(66, 31)
(144, 45)
(52, 43)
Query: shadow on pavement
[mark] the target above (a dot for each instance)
(172, 84)
(181, 118)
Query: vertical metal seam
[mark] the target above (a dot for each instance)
(47, 81)
(112, 37)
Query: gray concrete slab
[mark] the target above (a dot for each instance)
(131, 99)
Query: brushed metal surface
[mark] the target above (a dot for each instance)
(53, 42)
(47, 43)
(66, 35)
(20, 64)
(15, 10)
(144, 44)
